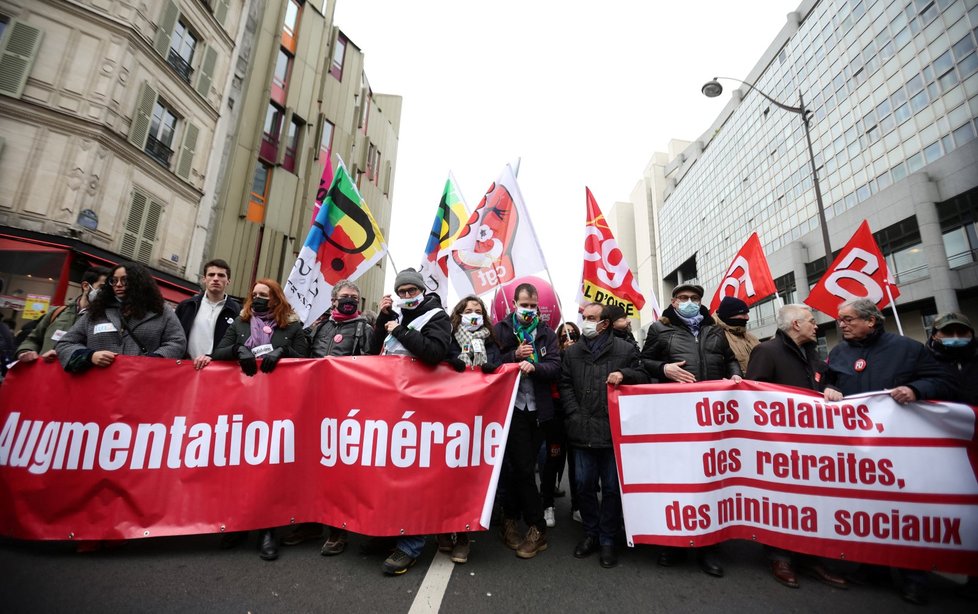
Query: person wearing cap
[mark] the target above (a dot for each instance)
(424, 331)
(685, 345)
(869, 359)
(952, 343)
(732, 316)
(621, 326)
(791, 358)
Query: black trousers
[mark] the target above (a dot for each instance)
(520, 494)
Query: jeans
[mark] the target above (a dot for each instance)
(411, 545)
(594, 466)
(520, 494)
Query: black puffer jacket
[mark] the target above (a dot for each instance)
(961, 364)
(707, 356)
(584, 388)
(430, 344)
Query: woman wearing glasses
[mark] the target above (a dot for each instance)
(126, 317)
(269, 329)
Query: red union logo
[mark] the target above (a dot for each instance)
(861, 275)
(734, 282)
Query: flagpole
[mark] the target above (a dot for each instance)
(896, 315)
(393, 264)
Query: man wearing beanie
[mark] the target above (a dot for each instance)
(422, 330)
(621, 327)
(732, 316)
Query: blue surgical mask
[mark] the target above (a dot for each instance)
(688, 309)
(955, 342)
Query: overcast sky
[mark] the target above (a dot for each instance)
(583, 92)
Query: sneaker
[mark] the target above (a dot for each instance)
(398, 563)
(576, 516)
(302, 533)
(445, 542)
(534, 542)
(548, 517)
(511, 534)
(460, 552)
(335, 543)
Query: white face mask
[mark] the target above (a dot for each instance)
(92, 293)
(471, 321)
(409, 303)
(589, 329)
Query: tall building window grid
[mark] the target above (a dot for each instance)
(290, 26)
(292, 144)
(280, 78)
(271, 132)
(258, 198)
(773, 192)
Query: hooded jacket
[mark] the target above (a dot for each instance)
(708, 356)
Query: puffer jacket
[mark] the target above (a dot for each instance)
(292, 339)
(584, 391)
(350, 338)
(708, 356)
(155, 334)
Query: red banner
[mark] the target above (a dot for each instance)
(864, 479)
(859, 271)
(748, 278)
(149, 447)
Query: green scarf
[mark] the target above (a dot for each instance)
(526, 334)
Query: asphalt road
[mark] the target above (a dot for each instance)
(191, 574)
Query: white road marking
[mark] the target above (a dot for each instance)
(432, 589)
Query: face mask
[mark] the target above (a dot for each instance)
(589, 329)
(735, 322)
(471, 321)
(259, 305)
(409, 303)
(526, 315)
(688, 309)
(955, 342)
(92, 293)
(347, 306)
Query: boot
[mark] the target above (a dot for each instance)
(267, 545)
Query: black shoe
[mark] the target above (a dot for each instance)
(560, 492)
(586, 547)
(267, 546)
(230, 540)
(914, 592)
(710, 564)
(608, 557)
(670, 556)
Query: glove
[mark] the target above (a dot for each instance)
(268, 361)
(456, 363)
(249, 366)
(489, 367)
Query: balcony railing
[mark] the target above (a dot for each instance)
(158, 151)
(180, 65)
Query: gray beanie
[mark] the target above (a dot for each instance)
(409, 277)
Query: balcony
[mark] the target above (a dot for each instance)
(180, 65)
(158, 151)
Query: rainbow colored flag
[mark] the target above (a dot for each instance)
(343, 243)
(449, 221)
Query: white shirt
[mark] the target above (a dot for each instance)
(201, 339)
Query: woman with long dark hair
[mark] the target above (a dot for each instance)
(269, 329)
(126, 317)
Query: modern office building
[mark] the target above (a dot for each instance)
(893, 86)
(306, 100)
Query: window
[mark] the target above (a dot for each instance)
(326, 139)
(19, 48)
(280, 79)
(139, 231)
(161, 129)
(259, 193)
(339, 55)
(292, 144)
(182, 46)
(270, 133)
(290, 28)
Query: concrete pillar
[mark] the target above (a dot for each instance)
(924, 194)
(799, 256)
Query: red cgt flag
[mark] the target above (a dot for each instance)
(748, 278)
(859, 271)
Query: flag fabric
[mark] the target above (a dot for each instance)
(343, 243)
(324, 182)
(498, 243)
(748, 278)
(859, 271)
(449, 222)
(606, 277)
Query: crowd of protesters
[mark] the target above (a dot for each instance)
(560, 416)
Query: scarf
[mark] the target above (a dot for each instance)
(597, 344)
(336, 316)
(258, 334)
(468, 355)
(693, 323)
(525, 334)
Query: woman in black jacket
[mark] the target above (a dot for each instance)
(269, 329)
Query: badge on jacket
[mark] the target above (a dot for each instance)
(105, 327)
(860, 366)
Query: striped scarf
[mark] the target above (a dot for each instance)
(526, 334)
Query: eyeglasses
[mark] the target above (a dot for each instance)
(848, 319)
(409, 292)
(117, 281)
(688, 297)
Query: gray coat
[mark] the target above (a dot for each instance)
(156, 334)
(354, 338)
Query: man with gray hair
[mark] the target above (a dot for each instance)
(791, 359)
(871, 359)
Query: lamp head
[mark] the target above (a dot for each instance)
(712, 89)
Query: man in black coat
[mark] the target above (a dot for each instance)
(206, 316)
(524, 339)
(791, 358)
(952, 342)
(587, 367)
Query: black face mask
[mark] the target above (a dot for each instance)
(259, 305)
(347, 306)
(734, 321)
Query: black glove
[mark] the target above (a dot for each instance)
(489, 367)
(249, 366)
(268, 361)
(456, 363)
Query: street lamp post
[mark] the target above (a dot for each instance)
(713, 89)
